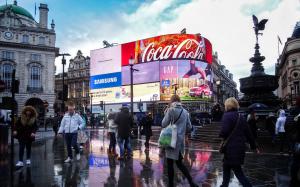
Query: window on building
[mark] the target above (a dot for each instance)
(35, 77)
(284, 80)
(36, 57)
(7, 55)
(41, 40)
(294, 62)
(7, 75)
(25, 38)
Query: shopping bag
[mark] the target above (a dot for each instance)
(168, 137)
(82, 137)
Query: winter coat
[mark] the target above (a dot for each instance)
(26, 126)
(297, 124)
(112, 126)
(236, 146)
(183, 124)
(147, 123)
(71, 123)
(280, 123)
(124, 123)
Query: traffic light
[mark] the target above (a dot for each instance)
(101, 105)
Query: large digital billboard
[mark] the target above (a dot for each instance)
(190, 79)
(146, 73)
(166, 64)
(121, 94)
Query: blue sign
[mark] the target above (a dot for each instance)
(98, 161)
(165, 83)
(106, 80)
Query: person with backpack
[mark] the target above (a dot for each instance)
(235, 133)
(180, 117)
(25, 130)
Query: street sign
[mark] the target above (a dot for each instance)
(2, 86)
(165, 83)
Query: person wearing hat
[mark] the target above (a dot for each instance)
(270, 125)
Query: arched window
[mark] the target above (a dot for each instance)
(35, 77)
(7, 75)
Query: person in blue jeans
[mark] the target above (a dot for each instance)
(124, 123)
(70, 124)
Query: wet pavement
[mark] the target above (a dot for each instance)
(96, 169)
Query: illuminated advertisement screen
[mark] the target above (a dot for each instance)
(147, 72)
(121, 94)
(165, 64)
(190, 79)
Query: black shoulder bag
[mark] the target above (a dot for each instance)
(224, 142)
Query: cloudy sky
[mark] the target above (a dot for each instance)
(84, 24)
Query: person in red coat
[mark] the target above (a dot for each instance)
(24, 131)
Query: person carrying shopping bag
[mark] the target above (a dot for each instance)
(178, 116)
(70, 124)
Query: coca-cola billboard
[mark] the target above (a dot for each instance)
(168, 47)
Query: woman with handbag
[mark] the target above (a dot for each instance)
(235, 133)
(178, 116)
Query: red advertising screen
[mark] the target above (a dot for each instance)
(168, 47)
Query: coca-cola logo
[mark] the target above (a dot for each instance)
(187, 49)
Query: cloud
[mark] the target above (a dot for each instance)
(260, 6)
(221, 21)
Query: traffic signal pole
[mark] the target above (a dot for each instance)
(12, 123)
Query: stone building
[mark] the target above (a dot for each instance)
(78, 82)
(224, 85)
(29, 47)
(288, 69)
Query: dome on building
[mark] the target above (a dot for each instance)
(17, 10)
(296, 32)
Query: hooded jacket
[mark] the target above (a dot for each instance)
(183, 124)
(124, 123)
(71, 123)
(280, 123)
(26, 126)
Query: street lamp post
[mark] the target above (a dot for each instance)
(131, 63)
(63, 62)
(218, 90)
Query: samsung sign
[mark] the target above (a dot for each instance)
(106, 80)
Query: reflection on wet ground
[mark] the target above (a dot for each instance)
(145, 169)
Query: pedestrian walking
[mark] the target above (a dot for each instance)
(280, 129)
(56, 122)
(252, 120)
(124, 122)
(235, 133)
(112, 129)
(24, 131)
(177, 115)
(146, 124)
(70, 124)
(295, 167)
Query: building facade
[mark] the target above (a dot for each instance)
(288, 69)
(28, 47)
(77, 80)
(224, 85)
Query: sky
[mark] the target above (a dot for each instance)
(84, 24)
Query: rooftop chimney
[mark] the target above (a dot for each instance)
(43, 15)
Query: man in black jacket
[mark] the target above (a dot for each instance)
(147, 123)
(124, 122)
